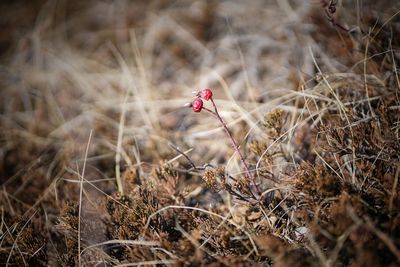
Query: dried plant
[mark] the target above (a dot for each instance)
(309, 108)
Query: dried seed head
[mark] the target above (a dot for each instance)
(243, 186)
(215, 178)
(206, 94)
(211, 181)
(274, 122)
(197, 105)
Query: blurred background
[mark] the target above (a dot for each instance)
(113, 77)
(69, 67)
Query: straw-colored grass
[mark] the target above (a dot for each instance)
(313, 108)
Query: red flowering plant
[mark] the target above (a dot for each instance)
(197, 105)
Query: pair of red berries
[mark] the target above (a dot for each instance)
(197, 104)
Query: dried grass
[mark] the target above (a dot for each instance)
(312, 106)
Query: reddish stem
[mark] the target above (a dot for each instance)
(234, 144)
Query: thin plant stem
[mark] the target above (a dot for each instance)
(80, 197)
(233, 142)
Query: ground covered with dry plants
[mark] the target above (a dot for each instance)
(101, 163)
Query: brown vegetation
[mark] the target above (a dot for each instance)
(100, 163)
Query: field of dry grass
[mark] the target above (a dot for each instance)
(102, 164)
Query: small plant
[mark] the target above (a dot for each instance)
(197, 106)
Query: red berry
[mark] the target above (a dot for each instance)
(197, 105)
(206, 94)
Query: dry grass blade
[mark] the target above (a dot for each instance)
(310, 94)
(206, 212)
(81, 177)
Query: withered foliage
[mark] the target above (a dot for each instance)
(328, 171)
